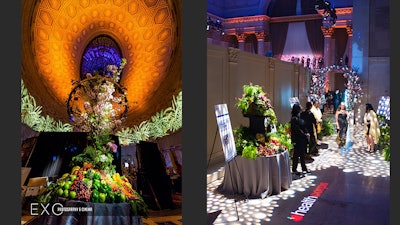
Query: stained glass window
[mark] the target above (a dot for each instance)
(99, 53)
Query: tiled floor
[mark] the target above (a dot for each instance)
(358, 191)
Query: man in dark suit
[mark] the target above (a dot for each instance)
(310, 125)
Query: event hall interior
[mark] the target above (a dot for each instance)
(263, 57)
(101, 112)
(117, 157)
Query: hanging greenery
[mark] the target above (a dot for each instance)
(31, 115)
(161, 124)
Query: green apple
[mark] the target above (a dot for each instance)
(61, 184)
(60, 191)
(66, 193)
(72, 178)
(67, 185)
(102, 197)
(72, 194)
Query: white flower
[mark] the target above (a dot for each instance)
(103, 158)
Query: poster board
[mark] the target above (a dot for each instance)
(225, 131)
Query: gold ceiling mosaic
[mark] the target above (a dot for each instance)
(147, 31)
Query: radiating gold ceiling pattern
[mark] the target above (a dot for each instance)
(148, 32)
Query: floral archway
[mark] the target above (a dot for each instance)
(353, 88)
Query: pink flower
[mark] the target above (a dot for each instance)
(112, 146)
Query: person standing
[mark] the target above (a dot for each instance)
(322, 103)
(310, 126)
(336, 100)
(318, 116)
(341, 117)
(372, 130)
(299, 137)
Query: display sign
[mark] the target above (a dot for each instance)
(225, 131)
(384, 107)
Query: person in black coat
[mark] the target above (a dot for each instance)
(310, 126)
(299, 138)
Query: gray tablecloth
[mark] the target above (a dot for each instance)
(257, 178)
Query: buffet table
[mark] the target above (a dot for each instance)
(88, 213)
(257, 178)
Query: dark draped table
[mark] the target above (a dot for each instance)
(88, 213)
(257, 178)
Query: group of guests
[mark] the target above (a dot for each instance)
(371, 126)
(306, 127)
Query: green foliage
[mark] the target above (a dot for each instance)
(243, 139)
(327, 128)
(271, 114)
(283, 134)
(31, 115)
(250, 146)
(250, 152)
(384, 141)
(255, 102)
(161, 124)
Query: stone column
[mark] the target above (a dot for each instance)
(261, 43)
(241, 39)
(328, 52)
(349, 30)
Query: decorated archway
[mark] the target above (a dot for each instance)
(353, 90)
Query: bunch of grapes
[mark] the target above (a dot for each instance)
(83, 192)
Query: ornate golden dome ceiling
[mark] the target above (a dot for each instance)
(56, 32)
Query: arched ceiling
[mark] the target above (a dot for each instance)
(56, 32)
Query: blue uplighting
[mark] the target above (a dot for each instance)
(99, 53)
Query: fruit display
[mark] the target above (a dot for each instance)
(93, 185)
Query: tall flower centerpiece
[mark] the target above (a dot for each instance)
(254, 101)
(97, 105)
(259, 140)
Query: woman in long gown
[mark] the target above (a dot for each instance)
(372, 131)
(341, 117)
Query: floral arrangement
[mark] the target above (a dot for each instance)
(251, 146)
(97, 105)
(255, 102)
(353, 86)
